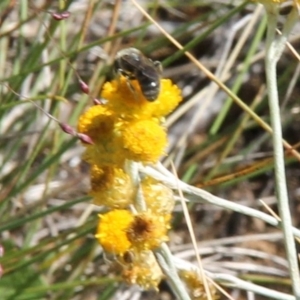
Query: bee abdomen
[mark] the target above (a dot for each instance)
(150, 89)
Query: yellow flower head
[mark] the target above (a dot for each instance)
(143, 140)
(106, 152)
(127, 99)
(112, 231)
(147, 231)
(158, 198)
(111, 186)
(97, 122)
(128, 126)
(143, 270)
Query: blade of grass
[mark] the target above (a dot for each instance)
(274, 50)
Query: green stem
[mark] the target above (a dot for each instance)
(274, 49)
(165, 260)
(131, 168)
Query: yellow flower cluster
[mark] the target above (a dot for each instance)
(128, 127)
(120, 231)
(124, 130)
(131, 237)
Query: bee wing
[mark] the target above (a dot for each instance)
(148, 70)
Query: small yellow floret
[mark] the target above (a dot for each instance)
(169, 97)
(124, 98)
(111, 186)
(148, 231)
(111, 232)
(108, 151)
(195, 286)
(97, 122)
(144, 140)
(158, 197)
(143, 270)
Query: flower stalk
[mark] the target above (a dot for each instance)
(274, 48)
(165, 260)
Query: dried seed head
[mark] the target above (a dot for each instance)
(84, 87)
(60, 16)
(97, 101)
(85, 139)
(67, 129)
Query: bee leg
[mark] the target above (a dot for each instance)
(120, 73)
(128, 78)
(158, 66)
(132, 89)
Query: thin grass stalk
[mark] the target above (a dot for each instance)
(215, 128)
(274, 48)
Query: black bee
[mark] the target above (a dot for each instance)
(132, 64)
